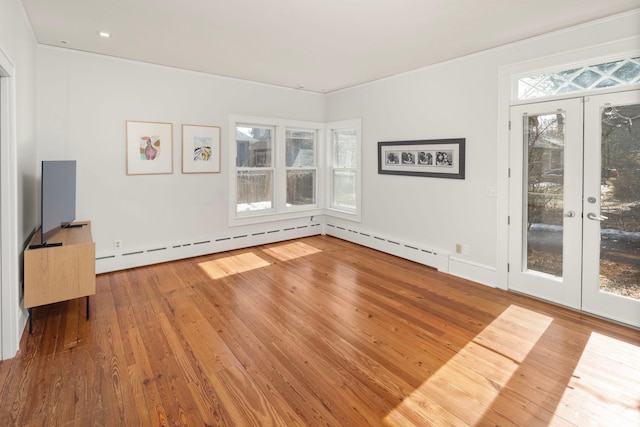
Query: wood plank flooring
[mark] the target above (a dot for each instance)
(313, 332)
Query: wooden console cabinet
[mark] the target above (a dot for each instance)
(60, 273)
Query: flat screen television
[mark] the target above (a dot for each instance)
(58, 197)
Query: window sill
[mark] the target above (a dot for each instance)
(250, 219)
(343, 214)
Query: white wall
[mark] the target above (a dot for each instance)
(459, 98)
(84, 101)
(18, 43)
(439, 102)
(18, 46)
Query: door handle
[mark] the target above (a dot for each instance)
(595, 217)
(570, 214)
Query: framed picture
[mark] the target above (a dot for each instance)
(200, 149)
(438, 158)
(149, 148)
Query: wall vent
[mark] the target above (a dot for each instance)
(156, 249)
(132, 253)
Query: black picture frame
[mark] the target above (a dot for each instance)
(434, 158)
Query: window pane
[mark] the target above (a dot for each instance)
(610, 74)
(301, 187)
(300, 148)
(344, 189)
(254, 191)
(346, 145)
(254, 147)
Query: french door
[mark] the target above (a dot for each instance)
(574, 203)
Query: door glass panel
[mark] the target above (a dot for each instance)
(620, 201)
(545, 141)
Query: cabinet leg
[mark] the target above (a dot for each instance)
(30, 320)
(87, 307)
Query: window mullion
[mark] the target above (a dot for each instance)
(281, 181)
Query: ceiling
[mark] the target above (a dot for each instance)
(315, 45)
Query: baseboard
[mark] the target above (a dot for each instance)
(436, 258)
(439, 259)
(172, 251)
(474, 271)
(416, 252)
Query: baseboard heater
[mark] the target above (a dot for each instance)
(157, 254)
(409, 250)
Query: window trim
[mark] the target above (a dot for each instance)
(279, 210)
(340, 211)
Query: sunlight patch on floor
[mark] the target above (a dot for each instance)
(228, 266)
(289, 251)
(474, 376)
(595, 390)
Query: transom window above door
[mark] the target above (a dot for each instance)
(611, 74)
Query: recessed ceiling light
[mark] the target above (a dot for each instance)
(104, 34)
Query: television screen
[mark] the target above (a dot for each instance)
(58, 196)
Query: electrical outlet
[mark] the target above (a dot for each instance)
(117, 244)
(463, 249)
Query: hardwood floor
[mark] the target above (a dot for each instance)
(316, 331)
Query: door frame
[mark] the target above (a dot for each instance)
(11, 317)
(507, 96)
